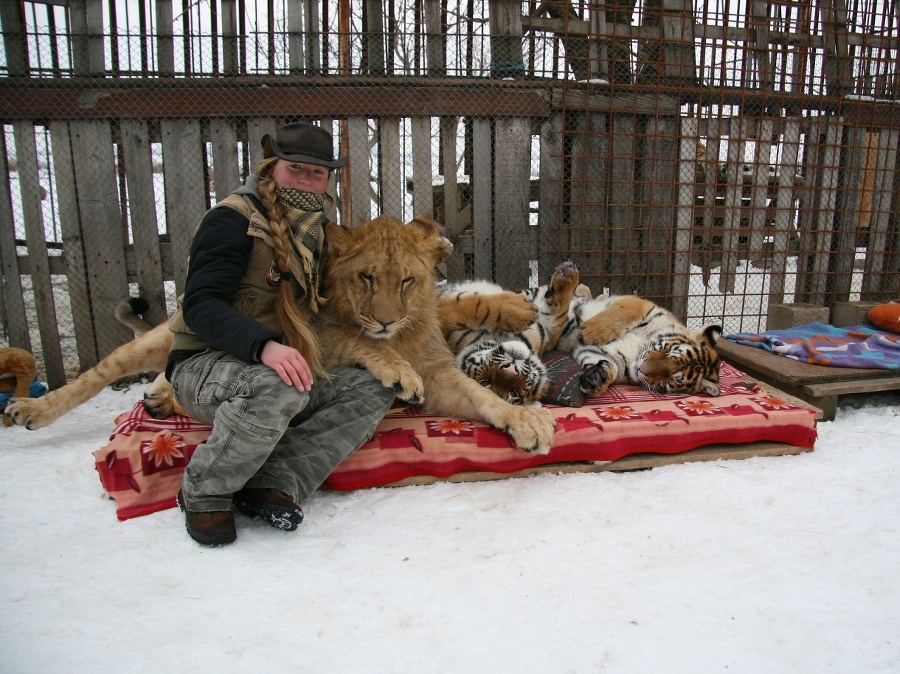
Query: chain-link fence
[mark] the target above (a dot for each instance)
(714, 157)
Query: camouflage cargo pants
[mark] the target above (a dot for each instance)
(251, 410)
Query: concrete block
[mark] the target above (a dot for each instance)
(789, 315)
(845, 314)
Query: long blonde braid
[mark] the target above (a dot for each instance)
(294, 323)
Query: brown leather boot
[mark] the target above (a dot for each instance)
(272, 505)
(208, 528)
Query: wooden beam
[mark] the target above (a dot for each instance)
(317, 98)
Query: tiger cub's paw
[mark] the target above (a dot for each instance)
(563, 283)
(565, 276)
(596, 379)
(517, 312)
(598, 331)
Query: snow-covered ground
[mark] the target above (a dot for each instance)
(780, 564)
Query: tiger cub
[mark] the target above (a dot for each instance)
(630, 340)
(499, 335)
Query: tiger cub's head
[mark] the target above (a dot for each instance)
(681, 362)
(508, 367)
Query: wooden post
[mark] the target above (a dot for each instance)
(314, 63)
(348, 217)
(13, 38)
(41, 284)
(231, 39)
(618, 13)
(358, 194)
(783, 230)
(760, 186)
(879, 258)
(837, 67)
(12, 296)
(620, 202)
(142, 208)
(846, 221)
(734, 186)
(184, 166)
(759, 48)
(590, 210)
(512, 170)
(705, 256)
(689, 141)
(225, 168)
(101, 218)
(86, 18)
(434, 40)
(670, 59)
(551, 213)
(71, 228)
(296, 38)
(423, 173)
(482, 198)
(165, 42)
(822, 173)
(659, 200)
(389, 167)
(506, 38)
(256, 129)
(451, 216)
(374, 32)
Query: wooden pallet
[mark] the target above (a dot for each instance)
(818, 385)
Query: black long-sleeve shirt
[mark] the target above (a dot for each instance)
(219, 255)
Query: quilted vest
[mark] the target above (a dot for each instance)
(254, 297)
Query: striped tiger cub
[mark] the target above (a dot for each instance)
(499, 335)
(630, 340)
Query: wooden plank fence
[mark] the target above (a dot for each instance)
(653, 178)
(807, 202)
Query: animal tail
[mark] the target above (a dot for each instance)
(128, 312)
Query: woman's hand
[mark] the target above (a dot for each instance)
(290, 365)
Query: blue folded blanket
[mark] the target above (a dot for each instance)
(861, 346)
(36, 391)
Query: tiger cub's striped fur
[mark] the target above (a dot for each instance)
(499, 335)
(628, 339)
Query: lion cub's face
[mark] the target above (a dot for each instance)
(380, 276)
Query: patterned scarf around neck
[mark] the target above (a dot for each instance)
(306, 217)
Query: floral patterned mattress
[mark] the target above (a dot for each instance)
(141, 467)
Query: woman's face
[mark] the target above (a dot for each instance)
(302, 177)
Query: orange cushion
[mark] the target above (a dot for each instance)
(885, 316)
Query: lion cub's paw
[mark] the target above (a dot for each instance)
(31, 413)
(408, 386)
(445, 249)
(532, 429)
(159, 399)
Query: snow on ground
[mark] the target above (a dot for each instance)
(779, 564)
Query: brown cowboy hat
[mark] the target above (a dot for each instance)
(302, 142)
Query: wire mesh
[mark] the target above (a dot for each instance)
(716, 157)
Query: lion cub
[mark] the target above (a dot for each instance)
(382, 314)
